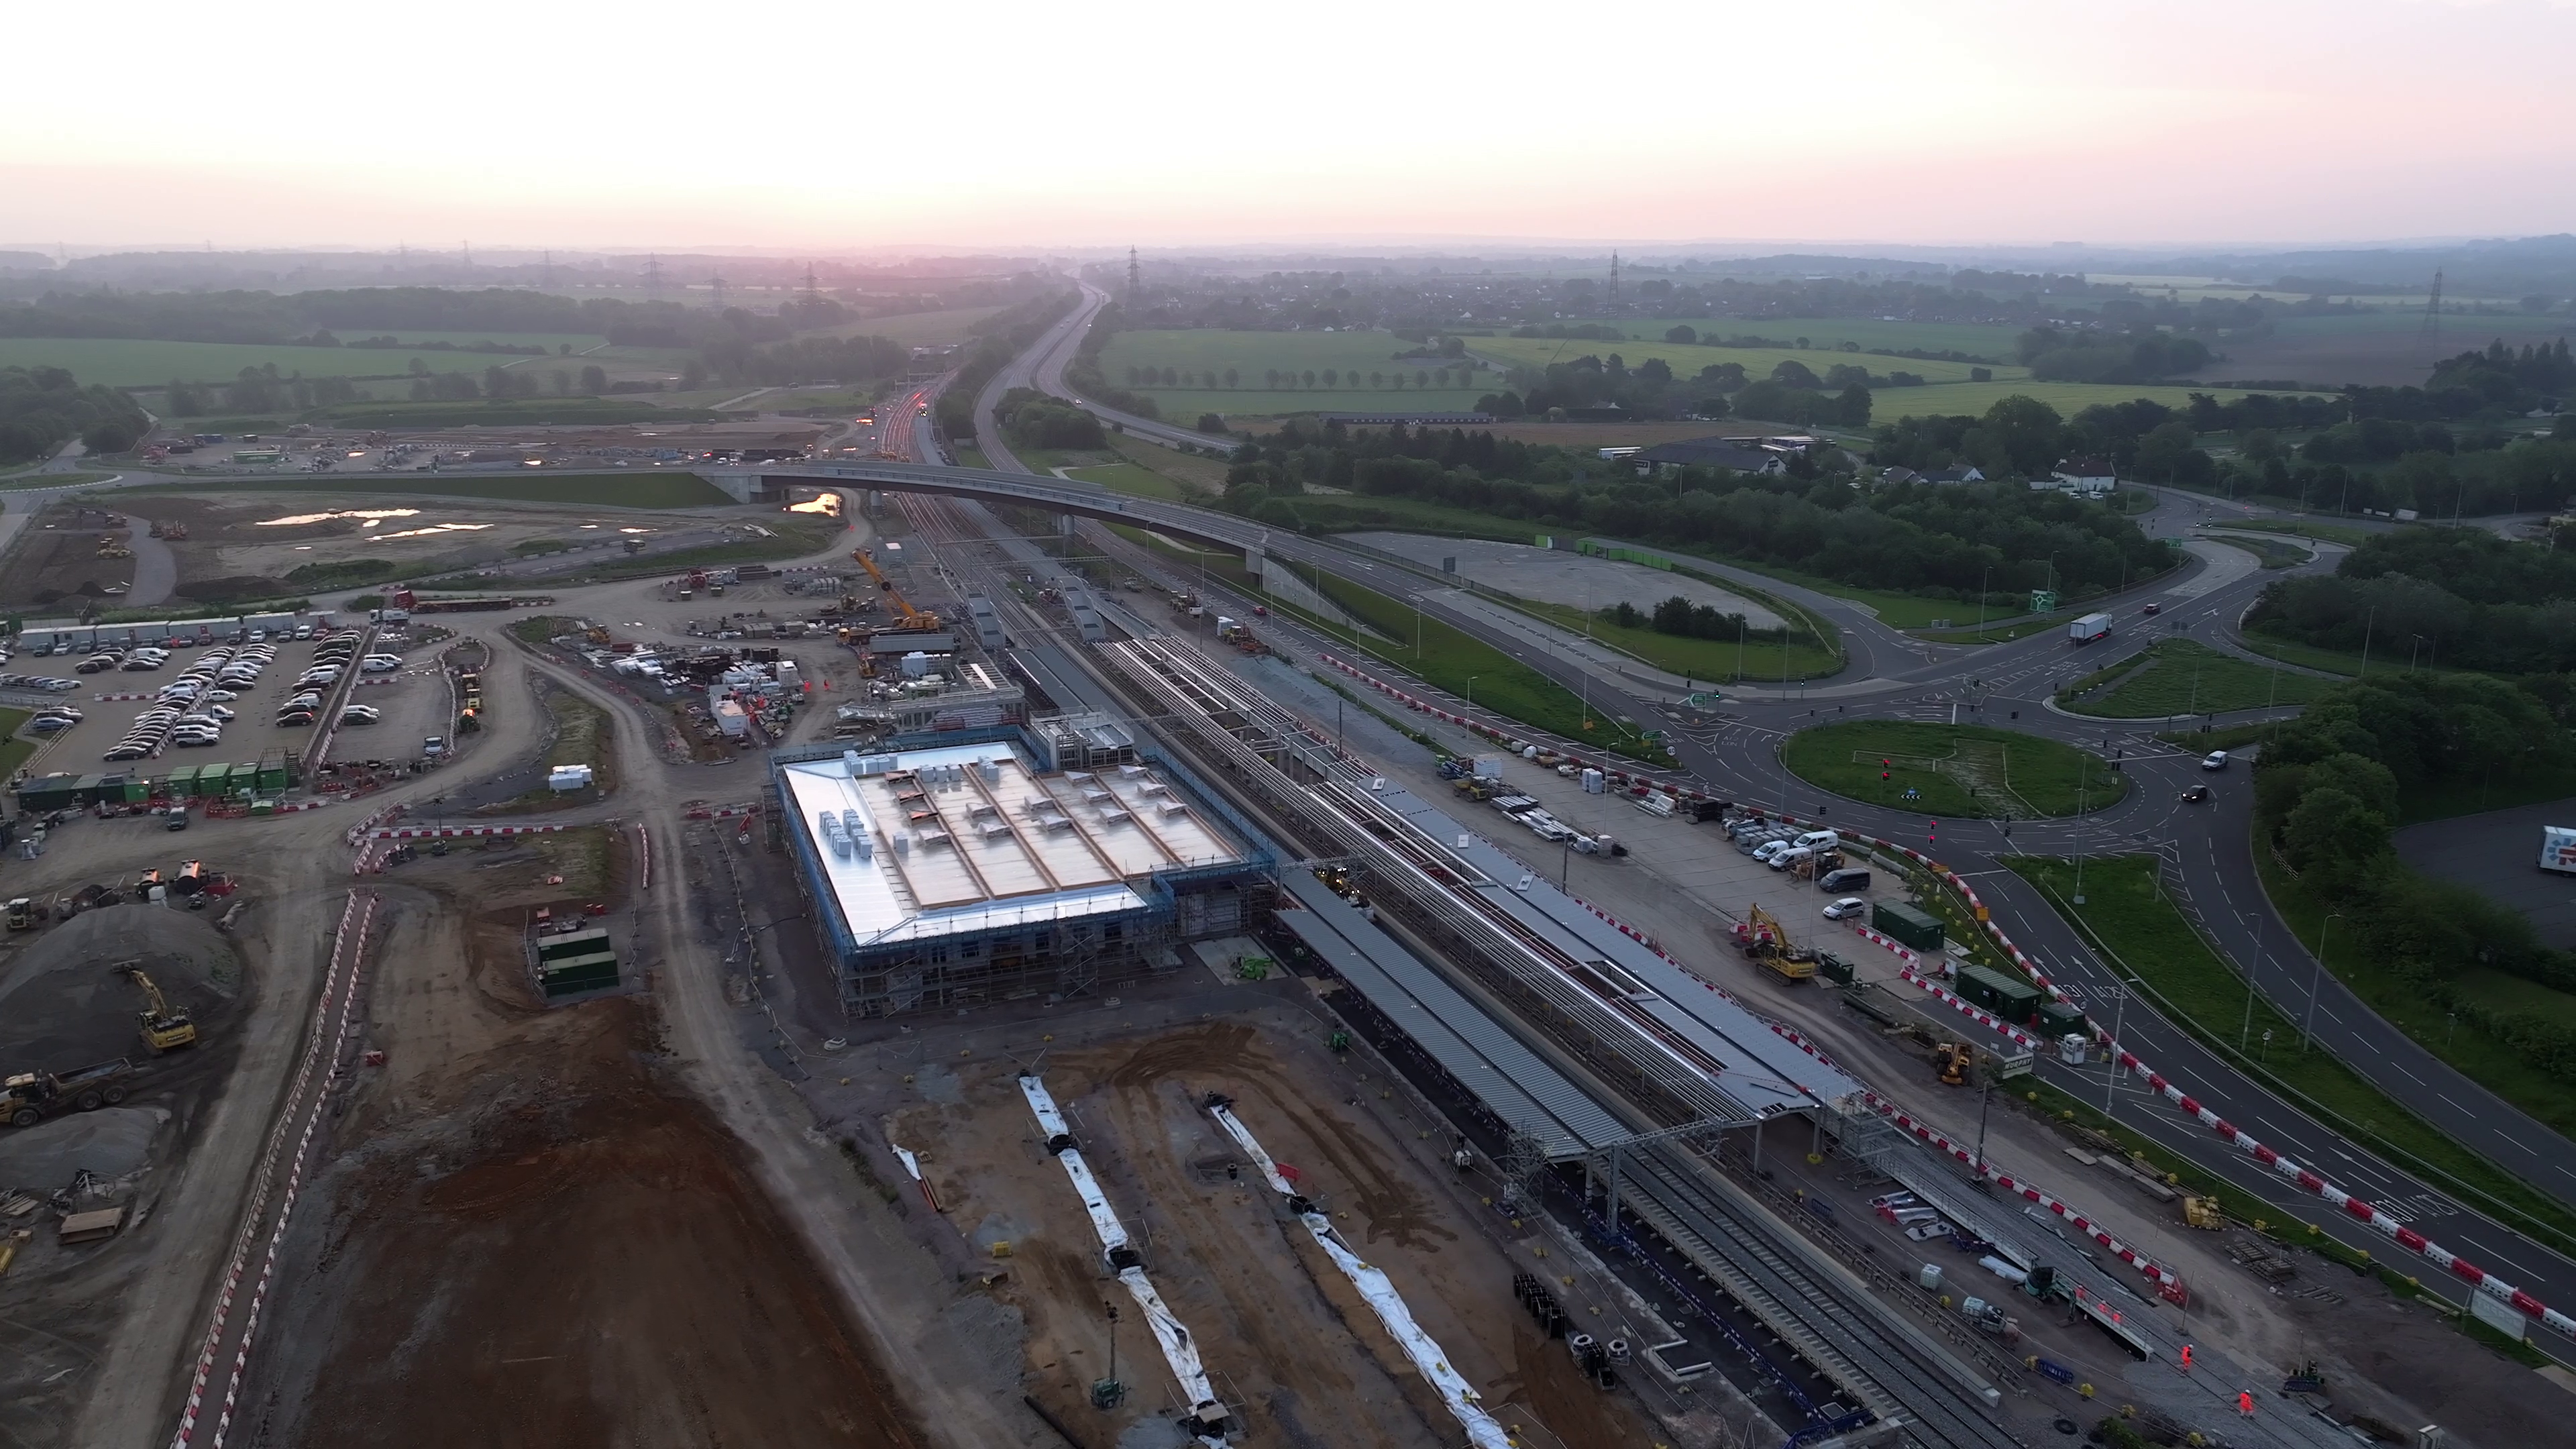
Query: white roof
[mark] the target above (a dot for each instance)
(967, 838)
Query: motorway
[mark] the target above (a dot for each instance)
(2207, 853)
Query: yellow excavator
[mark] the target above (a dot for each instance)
(163, 1029)
(1766, 943)
(908, 616)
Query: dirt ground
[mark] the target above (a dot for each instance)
(235, 549)
(56, 557)
(531, 1238)
(1289, 1342)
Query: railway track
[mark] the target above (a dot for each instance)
(1301, 781)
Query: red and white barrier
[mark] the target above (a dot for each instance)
(2290, 1170)
(722, 812)
(458, 832)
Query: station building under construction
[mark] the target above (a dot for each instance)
(984, 866)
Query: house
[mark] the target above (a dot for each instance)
(1744, 455)
(1890, 477)
(1962, 473)
(2083, 477)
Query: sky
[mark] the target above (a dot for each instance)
(1003, 124)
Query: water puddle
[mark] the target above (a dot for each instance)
(373, 516)
(826, 504)
(433, 531)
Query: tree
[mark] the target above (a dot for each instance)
(2023, 433)
(2334, 832)
(114, 435)
(1229, 377)
(1853, 406)
(562, 381)
(594, 380)
(1270, 379)
(1211, 423)
(1685, 334)
(1171, 377)
(1377, 379)
(693, 377)
(1332, 378)
(1421, 377)
(1793, 373)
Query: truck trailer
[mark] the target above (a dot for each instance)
(2558, 849)
(2089, 628)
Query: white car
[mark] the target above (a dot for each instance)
(218, 713)
(1768, 849)
(2214, 760)
(380, 664)
(220, 696)
(359, 714)
(1846, 908)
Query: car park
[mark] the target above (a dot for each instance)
(1846, 908)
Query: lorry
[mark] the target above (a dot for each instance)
(2089, 628)
(2558, 849)
(29, 1097)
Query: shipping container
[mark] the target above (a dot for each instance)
(2057, 1018)
(182, 781)
(2015, 1001)
(1900, 922)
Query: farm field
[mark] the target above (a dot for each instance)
(2378, 348)
(913, 329)
(1947, 392)
(1252, 355)
(1827, 333)
(119, 362)
(1688, 358)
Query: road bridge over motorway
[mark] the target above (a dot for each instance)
(1020, 490)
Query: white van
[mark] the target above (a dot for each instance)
(1820, 840)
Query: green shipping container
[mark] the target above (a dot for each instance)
(182, 781)
(137, 789)
(2015, 1001)
(572, 944)
(2057, 1018)
(1905, 924)
(271, 779)
(242, 780)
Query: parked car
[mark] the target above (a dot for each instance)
(1849, 878)
(359, 714)
(1846, 908)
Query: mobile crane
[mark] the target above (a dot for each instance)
(163, 1029)
(908, 616)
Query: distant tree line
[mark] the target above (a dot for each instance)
(2454, 596)
(1680, 617)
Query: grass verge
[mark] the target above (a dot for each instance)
(1466, 666)
(2183, 676)
(1705, 661)
(2489, 1061)
(2128, 919)
(1952, 770)
(2272, 553)
(2325, 532)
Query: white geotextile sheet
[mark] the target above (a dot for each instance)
(1180, 1350)
(1455, 1391)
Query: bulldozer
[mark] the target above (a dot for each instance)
(22, 914)
(1954, 1060)
(1766, 943)
(163, 1029)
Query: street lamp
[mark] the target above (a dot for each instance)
(1981, 596)
(2111, 1062)
(1471, 694)
(2307, 1028)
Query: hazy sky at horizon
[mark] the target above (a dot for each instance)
(831, 126)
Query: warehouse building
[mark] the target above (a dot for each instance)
(947, 874)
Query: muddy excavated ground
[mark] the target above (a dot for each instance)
(1286, 1338)
(527, 1236)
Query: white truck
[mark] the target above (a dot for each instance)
(2558, 849)
(2089, 628)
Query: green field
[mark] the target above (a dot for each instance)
(121, 363)
(914, 329)
(1952, 770)
(637, 489)
(1469, 668)
(1687, 359)
(1133, 479)
(1704, 661)
(1828, 334)
(2181, 676)
(1252, 354)
(2142, 933)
